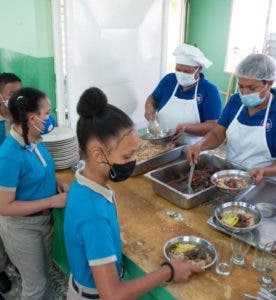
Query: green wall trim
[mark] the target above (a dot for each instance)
(133, 271)
(208, 24)
(37, 72)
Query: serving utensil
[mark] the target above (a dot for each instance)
(154, 127)
(188, 189)
(164, 136)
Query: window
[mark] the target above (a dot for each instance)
(253, 25)
(175, 31)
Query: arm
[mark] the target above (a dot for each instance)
(111, 287)
(11, 207)
(211, 140)
(259, 173)
(199, 129)
(150, 108)
(154, 99)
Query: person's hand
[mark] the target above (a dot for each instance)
(59, 200)
(183, 270)
(179, 130)
(62, 187)
(193, 153)
(150, 112)
(257, 175)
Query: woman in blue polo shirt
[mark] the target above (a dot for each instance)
(9, 83)
(185, 100)
(109, 141)
(248, 121)
(28, 190)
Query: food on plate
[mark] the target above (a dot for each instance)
(231, 182)
(200, 181)
(237, 218)
(192, 253)
(148, 150)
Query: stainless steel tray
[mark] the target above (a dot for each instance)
(159, 160)
(161, 177)
(265, 192)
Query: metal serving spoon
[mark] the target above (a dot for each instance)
(188, 189)
(154, 127)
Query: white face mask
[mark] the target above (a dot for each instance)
(185, 79)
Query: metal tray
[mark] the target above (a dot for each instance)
(264, 192)
(159, 160)
(161, 177)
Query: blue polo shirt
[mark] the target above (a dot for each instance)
(2, 131)
(23, 172)
(91, 229)
(208, 97)
(231, 109)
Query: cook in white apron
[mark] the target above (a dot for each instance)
(247, 145)
(178, 111)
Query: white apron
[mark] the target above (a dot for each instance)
(178, 111)
(247, 145)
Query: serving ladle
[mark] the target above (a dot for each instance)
(188, 189)
(154, 127)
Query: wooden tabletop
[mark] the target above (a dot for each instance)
(145, 228)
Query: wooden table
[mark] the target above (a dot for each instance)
(145, 228)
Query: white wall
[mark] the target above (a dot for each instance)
(115, 45)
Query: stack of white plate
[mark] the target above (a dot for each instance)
(62, 143)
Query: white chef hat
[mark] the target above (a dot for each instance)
(189, 55)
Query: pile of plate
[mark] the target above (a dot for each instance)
(62, 143)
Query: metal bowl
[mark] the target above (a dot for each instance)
(235, 174)
(164, 137)
(268, 210)
(189, 239)
(247, 207)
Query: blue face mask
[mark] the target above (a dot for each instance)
(49, 125)
(251, 100)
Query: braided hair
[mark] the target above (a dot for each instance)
(22, 102)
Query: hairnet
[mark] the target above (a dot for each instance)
(186, 54)
(257, 66)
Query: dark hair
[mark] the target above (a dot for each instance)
(6, 78)
(22, 102)
(98, 119)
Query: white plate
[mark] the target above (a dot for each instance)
(59, 133)
(63, 142)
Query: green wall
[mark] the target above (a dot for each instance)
(208, 23)
(26, 43)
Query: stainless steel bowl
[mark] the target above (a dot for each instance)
(268, 210)
(189, 239)
(247, 207)
(164, 137)
(235, 174)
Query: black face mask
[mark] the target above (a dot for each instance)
(120, 172)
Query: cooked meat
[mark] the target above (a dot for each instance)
(198, 256)
(200, 180)
(243, 221)
(197, 253)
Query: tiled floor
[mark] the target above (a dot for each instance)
(59, 282)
